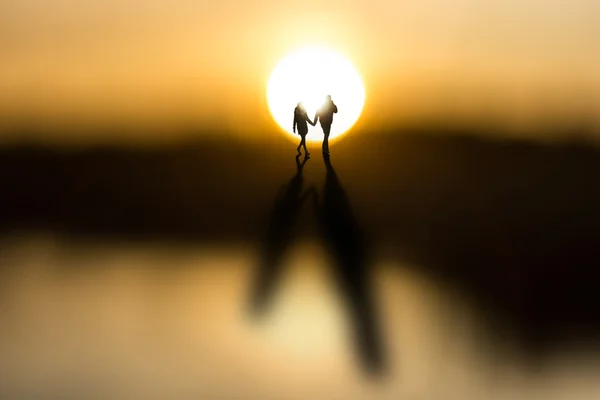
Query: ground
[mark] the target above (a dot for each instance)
(129, 272)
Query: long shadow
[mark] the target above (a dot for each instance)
(278, 237)
(346, 243)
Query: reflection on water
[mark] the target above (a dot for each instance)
(142, 320)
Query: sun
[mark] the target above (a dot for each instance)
(308, 75)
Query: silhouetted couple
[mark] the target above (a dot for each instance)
(324, 115)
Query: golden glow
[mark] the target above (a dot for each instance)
(308, 75)
(143, 73)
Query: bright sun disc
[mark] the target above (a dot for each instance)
(308, 75)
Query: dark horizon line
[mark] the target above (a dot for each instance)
(575, 135)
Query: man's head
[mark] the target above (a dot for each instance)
(328, 97)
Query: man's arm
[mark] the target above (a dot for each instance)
(334, 108)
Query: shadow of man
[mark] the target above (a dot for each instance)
(346, 243)
(278, 237)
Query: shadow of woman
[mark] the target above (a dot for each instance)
(278, 236)
(345, 241)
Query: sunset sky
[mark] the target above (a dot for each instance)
(100, 71)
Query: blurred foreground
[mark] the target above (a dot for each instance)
(127, 274)
(112, 321)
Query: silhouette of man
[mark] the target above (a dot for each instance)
(300, 119)
(325, 116)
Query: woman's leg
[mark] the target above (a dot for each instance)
(304, 144)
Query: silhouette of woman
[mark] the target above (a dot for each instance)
(300, 119)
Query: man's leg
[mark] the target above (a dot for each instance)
(326, 130)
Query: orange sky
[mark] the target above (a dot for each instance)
(163, 66)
